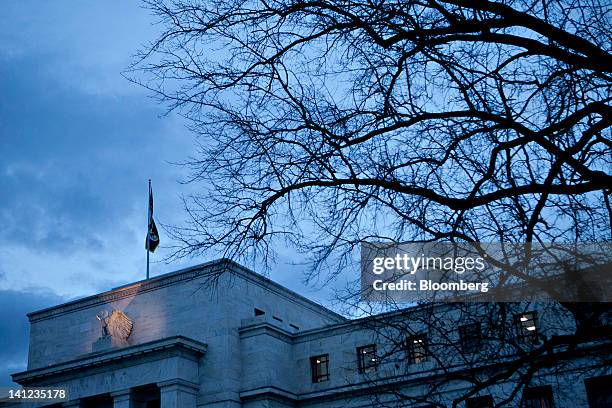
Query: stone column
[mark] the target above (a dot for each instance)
(178, 394)
(122, 399)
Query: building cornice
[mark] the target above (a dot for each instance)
(269, 392)
(189, 346)
(265, 328)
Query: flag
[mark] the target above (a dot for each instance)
(152, 240)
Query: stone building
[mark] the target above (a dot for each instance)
(219, 335)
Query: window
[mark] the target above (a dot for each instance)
(367, 359)
(259, 312)
(319, 366)
(526, 326)
(470, 336)
(417, 349)
(538, 397)
(485, 401)
(599, 391)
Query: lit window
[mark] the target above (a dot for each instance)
(367, 358)
(319, 366)
(538, 397)
(470, 336)
(526, 326)
(417, 348)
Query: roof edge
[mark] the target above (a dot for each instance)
(218, 265)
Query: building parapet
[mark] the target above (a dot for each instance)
(202, 270)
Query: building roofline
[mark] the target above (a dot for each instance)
(248, 273)
(221, 265)
(372, 319)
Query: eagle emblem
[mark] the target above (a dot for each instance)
(116, 324)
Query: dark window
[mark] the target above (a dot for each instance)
(416, 348)
(98, 401)
(319, 366)
(470, 337)
(538, 397)
(526, 326)
(294, 326)
(148, 396)
(367, 358)
(277, 318)
(599, 391)
(259, 312)
(485, 401)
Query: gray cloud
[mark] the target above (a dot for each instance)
(14, 327)
(78, 143)
(68, 166)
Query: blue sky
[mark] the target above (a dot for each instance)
(78, 143)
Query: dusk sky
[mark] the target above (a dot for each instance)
(78, 144)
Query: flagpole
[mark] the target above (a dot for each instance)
(148, 226)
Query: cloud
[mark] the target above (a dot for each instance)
(73, 181)
(14, 305)
(85, 43)
(68, 166)
(79, 143)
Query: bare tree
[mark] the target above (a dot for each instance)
(475, 348)
(468, 120)
(327, 124)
